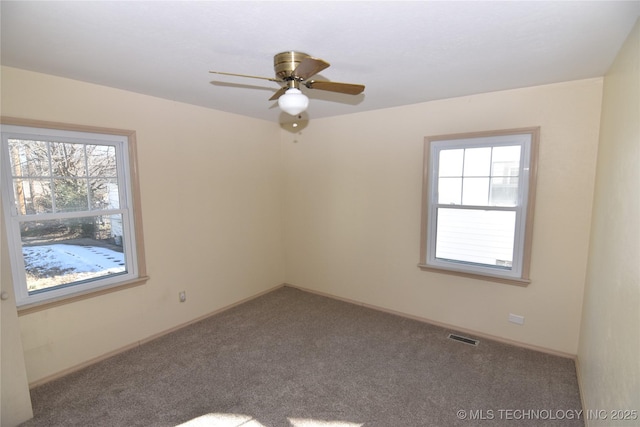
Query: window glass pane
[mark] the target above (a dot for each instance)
(450, 162)
(71, 195)
(29, 158)
(104, 194)
(476, 236)
(506, 161)
(32, 196)
(60, 253)
(475, 191)
(67, 160)
(504, 191)
(477, 161)
(449, 191)
(101, 161)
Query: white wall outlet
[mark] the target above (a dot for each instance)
(183, 296)
(514, 318)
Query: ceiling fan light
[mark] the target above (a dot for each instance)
(293, 101)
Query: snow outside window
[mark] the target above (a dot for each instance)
(478, 203)
(68, 200)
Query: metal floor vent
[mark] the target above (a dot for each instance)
(462, 339)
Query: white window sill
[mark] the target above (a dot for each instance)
(493, 278)
(67, 299)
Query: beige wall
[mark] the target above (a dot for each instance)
(211, 186)
(352, 211)
(609, 352)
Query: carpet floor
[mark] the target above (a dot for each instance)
(296, 359)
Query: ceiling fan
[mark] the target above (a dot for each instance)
(294, 69)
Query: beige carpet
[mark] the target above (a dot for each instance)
(292, 358)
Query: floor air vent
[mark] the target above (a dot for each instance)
(465, 340)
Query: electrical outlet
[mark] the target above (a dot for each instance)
(183, 296)
(514, 318)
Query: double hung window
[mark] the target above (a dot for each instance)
(478, 196)
(69, 199)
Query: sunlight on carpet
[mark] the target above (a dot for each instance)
(222, 420)
(306, 422)
(235, 420)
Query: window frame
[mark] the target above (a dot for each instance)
(136, 259)
(524, 208)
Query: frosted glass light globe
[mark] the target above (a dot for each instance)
(293, 101)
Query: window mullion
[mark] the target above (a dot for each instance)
(462, 177)
(478, 207)
(490, 189)
(86, 175)
(73, 214)
(52, 186)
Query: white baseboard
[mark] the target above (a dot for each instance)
(105, 356)
(440, 324)
(135, 344)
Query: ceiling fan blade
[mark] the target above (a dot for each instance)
(348, 88)
(279, 93)
(245, 75)
(309, 66)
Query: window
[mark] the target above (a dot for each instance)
(71, 210)
(478, 199)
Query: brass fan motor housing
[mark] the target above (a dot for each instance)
(285, 63)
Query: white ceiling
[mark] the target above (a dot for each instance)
(404, 52)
